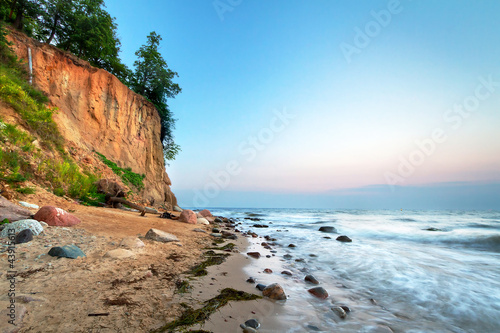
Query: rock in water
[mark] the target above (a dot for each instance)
(188, 216)
(328, 229)
(119, 254)
(56, 217)
(24, 236)
(68, 251)
(253, 323)
(18, 226)
(205, 213)
(344, 239)
(274, 291)
(132, 243)
(340, 312)
(12, 212)
(255, 255)
(268, 271)
(319, 292)
(260, 286)
(287, 273)
(161, 236)
(202, 220)
(311, 279)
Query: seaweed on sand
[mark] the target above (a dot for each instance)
(212, 259)
(191, 317)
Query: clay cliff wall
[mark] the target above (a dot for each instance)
(97, 111)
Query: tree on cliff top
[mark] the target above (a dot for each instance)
(153, 79)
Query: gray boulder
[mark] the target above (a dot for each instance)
(18, 226)
(12, 212)
(161, 236)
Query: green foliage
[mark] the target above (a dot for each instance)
(127, 175)
(4, 221)
(153, 79)
(191, 317)
(26, 190)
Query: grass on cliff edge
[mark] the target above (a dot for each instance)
(128, 177)
(191, 317)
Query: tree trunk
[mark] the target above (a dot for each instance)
(128, 203)
(53, 32)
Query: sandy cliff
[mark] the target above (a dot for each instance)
(97, 111)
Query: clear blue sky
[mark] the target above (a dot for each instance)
(352, 104)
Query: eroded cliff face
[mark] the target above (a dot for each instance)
(97, 111)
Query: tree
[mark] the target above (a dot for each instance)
(153, 79)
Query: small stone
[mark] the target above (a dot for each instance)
(215, 230)
(251, 280)
(260, 286)
(28, 205)
(119, 254)
(161, 236)
(287, 256)
(249, 330)
(216, 235)
(311, 279)
(255, 255)
(268, 256)
(319, 292)
(345, 308)
(24, 236)
(292, 245)
(340, 312)
(268, 271)
(202, 220)
(274, 291)
(344, 239)
(300, 260)
(328, 229)
(132, 243)
(287, 273)
(218, 220)
(68, 251)
(326, 237)
(199, 230)
(253, 323)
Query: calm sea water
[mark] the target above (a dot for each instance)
(412, 271)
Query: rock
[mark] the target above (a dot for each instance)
(5, 326)
(198, 215)
(28, 205)
(313, 328)
(119, 254)
(339, 311)
(287, 273)
(326, 237)
(54, 216)
(24, 236)
(18, 226)
(287, 256)
(255, 255)
(202, 220)
(260, 226)
(205, 213)
(199, 230)
(260, 286)
(216, 235)
(218, 220)
(132, 243)
(215, 230)
(344, 239)
(161, 236)
(178, 209)
(253, 323)
(328, 229)
(274, 291)
(268, 271)
(68, 251)
(188, 216)
(292, 245)
(311, 279)
(319, 292)
(433, 229)
(251, 280)
(345, 308)
(210, 219)
(12, 212)
(300, 260)
(249, 330)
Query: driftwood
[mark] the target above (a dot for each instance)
(128, 203)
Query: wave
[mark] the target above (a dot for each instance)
(484, 226)
(405, 219)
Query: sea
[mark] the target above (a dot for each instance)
(404, 271)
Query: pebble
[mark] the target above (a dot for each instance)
(344, 239)
(292, 245)
(319, 292)
(311, 279)
(253, 323)
(251, 280)
(255, 255)
(274, 291)
(328, 229)
(340, 312)
(287, 273)
(268, 270)
(260, 286)
(287, 256)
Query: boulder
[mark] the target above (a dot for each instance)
(188, 216)
(274, 291)
(205, 213)
(132, 243)
(178, 209)
(260, 286)
(202, 220)
(319, 292)
(311, 279)
(68, 251)
(287, 273)
(255, 255)
(12, 212)
(119, 254)
(328, 229)
(161, 236)
(24, 236)
(344, 239)
(54, 216)
(18, 226)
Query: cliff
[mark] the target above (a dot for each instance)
(96, 111)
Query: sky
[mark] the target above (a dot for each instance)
(329, 104)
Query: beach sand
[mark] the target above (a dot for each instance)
(138, 294)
